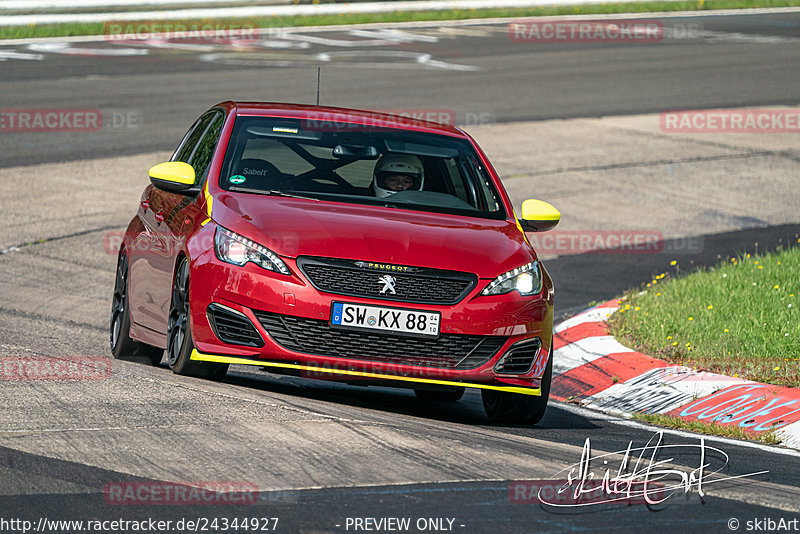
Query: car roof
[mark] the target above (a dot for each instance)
(334, 114)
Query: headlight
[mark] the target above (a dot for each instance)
(233, 248)
(526, 279)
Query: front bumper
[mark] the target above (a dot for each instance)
(498, 325)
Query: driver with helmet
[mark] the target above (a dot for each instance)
(397, 172)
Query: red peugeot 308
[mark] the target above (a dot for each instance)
(338, 244)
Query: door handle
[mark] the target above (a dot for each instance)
(160, 216)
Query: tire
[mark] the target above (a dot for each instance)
(515, 408)
(440, 395)
(179, 332)
(122, 346)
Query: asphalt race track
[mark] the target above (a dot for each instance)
(477, 71)
(318, 452)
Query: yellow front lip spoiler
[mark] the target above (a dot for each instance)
(199, 356)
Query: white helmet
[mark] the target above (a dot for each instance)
(391, 165)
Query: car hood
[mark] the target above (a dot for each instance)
(298, 227)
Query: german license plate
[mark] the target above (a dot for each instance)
(393, 320)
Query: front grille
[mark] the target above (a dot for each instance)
(519, 358)
(233, 327)
(312, 336)
(414, 284)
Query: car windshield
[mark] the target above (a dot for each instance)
(344, 162)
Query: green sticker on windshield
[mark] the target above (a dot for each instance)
(237, 179)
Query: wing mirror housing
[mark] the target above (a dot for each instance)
(173, 176)
(538, 216)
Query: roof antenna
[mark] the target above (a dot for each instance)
(318, 73)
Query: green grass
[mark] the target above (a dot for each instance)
(739, 318)
(715, 429)
(72, 29)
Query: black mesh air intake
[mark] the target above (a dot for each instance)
(519, 358)
(233, 327)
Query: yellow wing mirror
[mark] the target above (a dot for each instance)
(538, 216)
(172, 176)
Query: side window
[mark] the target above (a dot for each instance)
(201, 159)
(185, 140)
(186, 149)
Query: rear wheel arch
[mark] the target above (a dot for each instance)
(123, 347)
